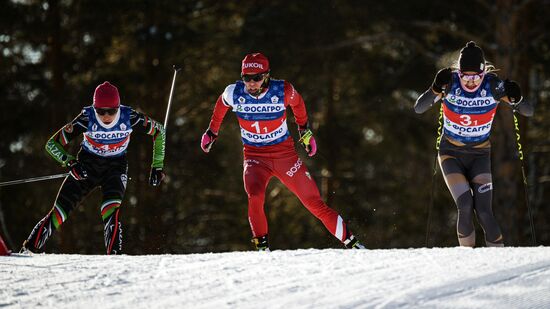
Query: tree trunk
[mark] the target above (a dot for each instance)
(55, 60)
(54, 56)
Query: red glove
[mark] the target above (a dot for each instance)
(207, 140)
(307, 140)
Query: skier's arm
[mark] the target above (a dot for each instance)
(223, 104)
(523, 107)
(296, 103)
(426, 100)
(55, 146)
(510, 92)
(220, 110)
(142, 123)
(442, 80)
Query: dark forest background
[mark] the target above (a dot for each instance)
(359, 65)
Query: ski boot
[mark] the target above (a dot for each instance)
(26, 249)
(496, 243)
(261, 243)
(3, 248)
(352, 243)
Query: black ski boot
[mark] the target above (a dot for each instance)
(352, 243)
(261, 243)
(26, 248)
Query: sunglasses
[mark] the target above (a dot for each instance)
(474, 77)
(106, 111)
(255, 77)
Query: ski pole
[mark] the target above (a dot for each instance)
(33, 179)
(520, 152)
(176, 70)
(431, 204)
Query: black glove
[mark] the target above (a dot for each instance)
(442, 78)
(513, 91)
(156, 176)
(76, 170)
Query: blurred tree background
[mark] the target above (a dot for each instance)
(359, 65)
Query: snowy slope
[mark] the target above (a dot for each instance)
(400, 278)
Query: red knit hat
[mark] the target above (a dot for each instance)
(254, 63)
(106, 96)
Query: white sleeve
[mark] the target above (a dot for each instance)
(227, 95)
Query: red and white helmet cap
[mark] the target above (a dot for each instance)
(254, 63)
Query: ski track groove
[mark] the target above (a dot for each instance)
(461, 289)
(529, 275)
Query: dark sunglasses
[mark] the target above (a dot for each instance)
(255, 77)
(106, 111)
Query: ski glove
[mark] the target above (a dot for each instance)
(156, 176)
(307, 140)
(513, 91)
(207, 140)
(442, 78)
(76, 170)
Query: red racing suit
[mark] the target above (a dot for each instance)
(269, 151)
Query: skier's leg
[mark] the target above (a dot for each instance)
(113, 189)
(482, 185)
(294, 174)
(70, 194)
(454, 175)
(256, 175)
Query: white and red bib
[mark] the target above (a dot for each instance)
(468, 116)
(107, 140)
(262, 119)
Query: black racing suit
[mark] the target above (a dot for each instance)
(467, 172)
(108, 173)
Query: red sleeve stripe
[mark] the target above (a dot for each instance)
(152, 129)
(64, 139)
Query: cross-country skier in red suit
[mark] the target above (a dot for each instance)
(260, 105)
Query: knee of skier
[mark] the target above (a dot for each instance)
(458, 186)
(465, 203)
(254, 190)
(113, 193)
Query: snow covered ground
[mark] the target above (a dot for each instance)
(398, 278)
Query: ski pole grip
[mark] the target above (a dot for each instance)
(306, 137)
